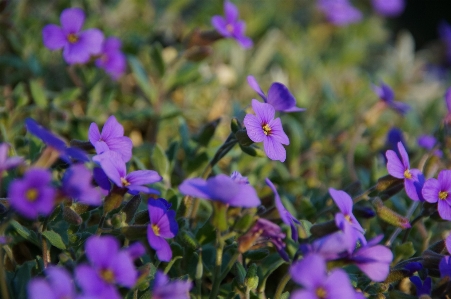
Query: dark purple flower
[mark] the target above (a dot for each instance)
(165, 289)
(112, 60)
(423, 287)
(162, 226)
(388, 8)
(400, 168)
(33, 194)
(285, 215)
(262, 127)
(231, 191)
(114, 167)
(448, 97)
(394, 136)
(445, 266)
(339, 12)
(230, 26)
(278, 96)
(439, 191)
(444, 31)
(5, 162)
(102, 180)
(112, 138)
(77, 184)
(58, 284)
(387, 96)
(78, 46)
(310, 272)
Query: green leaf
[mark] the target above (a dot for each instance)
(403, 251)
(304, 229)
(141, 76)
(54, 239)
(38, 94)
(157, 58)
(159, 160)
(25, 232)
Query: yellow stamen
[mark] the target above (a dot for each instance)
(107, 275)
(348, 218)
(229, 28)
(72, 38)
(31, 194)
(321, 293)
(124, 182)
(266, 129)
(156, 230)
(442, 195)
(407, 174)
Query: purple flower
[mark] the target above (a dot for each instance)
(445, 266)
(263, 127)
(33, 194)
(393, 137)
(400, 168)
(165, 289)
(78, 46)
(232, 191)
(162, 226)
(76, 183)
(439, 191)
(58, 284)
(278, 96)
(444, 31)
(5, 162)
(428, 142)
(339, 12)
(330, 247)
(448, 99)
(230, 26)
(310, 272)
(285, 215)
(387, 96)
(112, 60)
(388, 8)
(114, 167)
(112, 138)
(423, 288)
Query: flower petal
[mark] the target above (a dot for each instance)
(444, 177)
(277, 132)
(254, 85)
(72, 20)
(301, 271)
(53, 37)
(93, 133)
(160, 245)
(230, 12)
(273, 149)
(394, 165)
(112, 128)
(342, 200)
(254, 128)
(143, 177)
(264, 112)
(404, 155)
(220, 24)
(430, 190)
(100, 249)
(444, 209)
(92, 40)
(122, 145)
(280, 97)
(124, 270)
(196, 187)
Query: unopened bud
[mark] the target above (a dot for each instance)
(130, 208)
(84, 145)
(243, 138)
(431, 259)
(80, 208)
(251, 280)
(396, 275)
(384, 195)
(118, 220)
(113, 200)
(252, 151)
(71, 216)
(240, 273)
(235, 125)
(388, 182)
(142, 217)
(364, 212)
(187, 238)
(200, 266)
(388, 215)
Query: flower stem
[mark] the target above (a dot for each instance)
(217, 273)
(283, 282)
(99, 227)
(3, 285)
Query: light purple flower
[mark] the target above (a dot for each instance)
(114, 167)
(33, 194)
(58, 284)
(165, 289)
(5, 162)
(339, 12)
(78, 46)
(278, 96)
(285, 215)
(400, 168)
(330, 247)
(388, 8)
(439, 191)
(162, 226)
(76, 183)
(112, 138)
(262, 127)
(231, 191)
(310, 272)
(230, 26)
(112, 60)
(387, 96)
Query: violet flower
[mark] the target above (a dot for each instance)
(423, 287)
(339, 12)
(387, 96)
(262, 127)
(278, 96)
(114, 167)
(439, 190)
(76, 183)
(388, 8)
(162, 226)
(445, 266)
(448, 96)
(400, 168)
(78, 46)
(165, 289)
(33, 194)
(444, 31)
(112, 138)
(310, 272)
(112, 60)
(428, 142)
(5, 162)
(58, 284)
(394, 136)
(231, 191)
(230, 26)
(285, 215)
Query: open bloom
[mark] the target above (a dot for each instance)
(58, 284)
(5, 162)
(400, 168)
(165, 289)
(439, 190)
(76, 183)
(230, 26)
(278, 96)
(262, 127)
(112, 60)
(33, 194)
(428, 142)
(387, 96)
(423, 287)
(231, 191)
(339, 12)
(388, 8)
(162, 226)
(78, 46)
(112, 138)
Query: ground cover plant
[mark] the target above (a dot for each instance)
(222, 149)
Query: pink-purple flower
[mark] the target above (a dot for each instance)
(77, 184)
(57, 284)
(263, 127)
(165, 289)
(439, 191)
(339, 12)
(230, 26)
(111, 59)
(388, 8)
(387, 96)
(77, 45)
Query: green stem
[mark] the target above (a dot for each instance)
(398, 230)
(171, 263)
(3, 285)
(283, 282)
(217, 272)
(100, 226)
(412, 223)
(230, 265)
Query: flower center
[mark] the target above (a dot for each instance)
(348, 218)
(107, 275)
(266, 129)
(72, 38)
(31, 194)
(407, 174)
(229, 28)
(156, 230)
(442, 195)
(124, 182)
(321, 293)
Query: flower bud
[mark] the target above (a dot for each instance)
(243, 138)
(142, 217)
(188, 239)
(388, 215)
(251, 280)
(387, 182)
(130, 207)
(84, 145)
(235, 125)
(71, 216)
